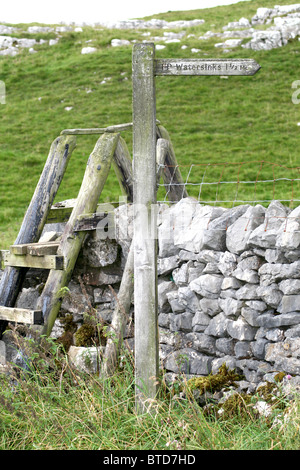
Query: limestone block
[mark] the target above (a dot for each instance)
(238, 233)
(208, 285)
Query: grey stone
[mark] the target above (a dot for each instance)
(250, 316)
(209, 256)
(265, 40)
(227, 263)
(268, 320)
(122, 225)
(240, 330)
(211, 268)
(171, 339)
(164, 320)
(166, 265)
(225, 346)
(103, 295)
(290, 286)
(289, 303)
(217, 326)
(215, 237)
(188, 361)
(228, 360)
(2, 353)
(289, 236)
(271, 295)
(275, 335)
(256, 305)
(239, 232)
(28, 298)
(210, 306)
(247, 292)
(193, 234)
(231, 307)
(207, 285)
(181, 275)
(195, 270)
(285, 355)
(231, 283)
(228, 294)
(176, 306)
(264, 236)
(250, 263)
(293, 332)
(203, 343)
(185, 255)
(200, 319)
(246, 275)
(164, 351)
(176, 219)
(181, 321)
(275, 256)
(163, 288)
(188, 299)
(108, 278)
(85, 359)
(75, 302)
(258, 348)
(242, 349)
(98, 253)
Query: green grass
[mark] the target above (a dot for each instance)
(241, 119)
(53, 407)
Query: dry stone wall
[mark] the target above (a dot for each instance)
(228, 284)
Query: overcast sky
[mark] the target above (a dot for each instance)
(92, 11)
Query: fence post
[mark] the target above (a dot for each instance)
(145, 225)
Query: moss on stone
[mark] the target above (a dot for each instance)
(85, 335)
(224, 378)
(238, 405)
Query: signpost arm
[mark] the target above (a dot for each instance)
(145, 225)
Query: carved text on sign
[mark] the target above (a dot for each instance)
(206, 67)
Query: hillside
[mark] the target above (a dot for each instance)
(51, 85)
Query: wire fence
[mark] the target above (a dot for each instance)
(234, 183)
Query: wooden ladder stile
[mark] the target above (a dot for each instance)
(81, 216)
(59, 257)
(33, 223)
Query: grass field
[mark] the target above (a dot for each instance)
(52, 407)
(239, 119)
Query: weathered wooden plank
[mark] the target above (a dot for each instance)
(89, 222)
(123, 168)
(175, 67)
(145, 240)
(42, 249)
(119, 318)
(29, 261)
(171, 174)
(21, 315)
(99, 130)
(59, 214)
(36, 215)
(96, 173)
(62, 214)
(18, 249)
(35, 249)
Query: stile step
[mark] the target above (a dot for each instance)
(21, 315)
(30, 261)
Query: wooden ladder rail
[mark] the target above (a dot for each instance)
(36, 215)
(92, 185)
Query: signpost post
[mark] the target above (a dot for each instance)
(144, 69)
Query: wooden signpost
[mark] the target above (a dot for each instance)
(144, 69)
